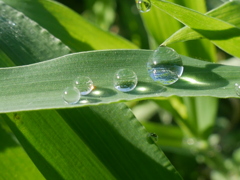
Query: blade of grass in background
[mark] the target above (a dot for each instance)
(221, 33)
(69, 26)
(55, 147)
(160, 26)
(131, 25)
(227, 12)
(18, 34)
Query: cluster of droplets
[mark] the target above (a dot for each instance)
(124, 80)
(82, 85)
(165, 65)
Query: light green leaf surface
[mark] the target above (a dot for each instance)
(228, 12)
(69, 26)
(64, 145)
(40, 86)
(221, 33)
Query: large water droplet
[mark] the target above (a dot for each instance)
(144, 5)
(125, 80)
(237, 89)
(165, 65)
(84, 84)
(152, 137)
(71, 95)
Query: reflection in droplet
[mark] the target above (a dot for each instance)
(165, 65)
(125, 80)
(144, 5)
(84, 84)
(71, 95)
(152, 137)
(237, 89)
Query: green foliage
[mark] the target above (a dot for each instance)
(99, 137)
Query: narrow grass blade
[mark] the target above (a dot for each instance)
(221, 33)
(227, 12)
(67, 25)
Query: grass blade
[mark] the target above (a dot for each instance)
(228, 12)
(67, 25)
(221, 33)
(24, 89)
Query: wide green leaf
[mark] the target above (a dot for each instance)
(221, 33)
(41, 85)
(118, 140)
(227, 12)
(67, 25)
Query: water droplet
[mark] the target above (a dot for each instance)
(144, 5)
(237, 89)
(125, 80)
(71, 95)
(84, 84)
(165, 65)
(152, 138)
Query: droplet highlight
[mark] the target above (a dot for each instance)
(152, 137)
(84, 84)
(143, 5)
(165, 65)
(125, 80)
(237, 89)
(71, 95)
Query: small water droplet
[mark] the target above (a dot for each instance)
(144, 5)
(84, 84)
(165, 65)
(237, 89)
(125, 80)
(152, 138)
(71, 95)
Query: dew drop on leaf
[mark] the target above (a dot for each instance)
(144, 5)
(165, 65)
(125, 80)
(237, 89)
(152, 137)
(84, 84)
(71, 95)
